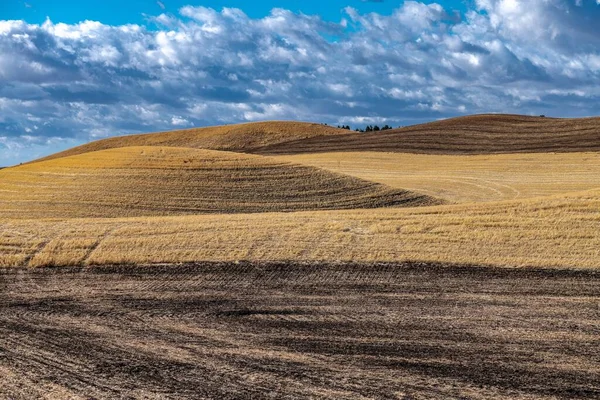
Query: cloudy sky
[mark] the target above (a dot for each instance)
(72, 71)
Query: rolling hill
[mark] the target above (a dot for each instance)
(241, 137)
(153, 180)
(129, 199)
(477, 134)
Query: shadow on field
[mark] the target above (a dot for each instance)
(299, 330)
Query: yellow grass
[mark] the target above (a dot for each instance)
(538, 209)
(241, 137)
(461, 178)
(559, 231)
(150, 181)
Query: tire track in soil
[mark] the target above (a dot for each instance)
(301, 330)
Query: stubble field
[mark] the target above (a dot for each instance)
(467, 178)
(156, 181)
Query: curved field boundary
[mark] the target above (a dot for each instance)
(152, 181)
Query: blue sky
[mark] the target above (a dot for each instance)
(98, 69)
(118, 12)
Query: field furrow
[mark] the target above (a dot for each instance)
(299, 330)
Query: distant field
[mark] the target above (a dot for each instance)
(477, 134)
(560, 231)
(136, 204)
(474, 178)
(149, 181)
(240, 137)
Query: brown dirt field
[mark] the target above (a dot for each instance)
(477, 134)
(295, 331)
(154, 181)
(240, 137)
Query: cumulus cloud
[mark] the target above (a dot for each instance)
(83, 81)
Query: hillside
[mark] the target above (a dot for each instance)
(466, 178)
(477, 134)
(241, 137)
(538, 209)
(151, 181)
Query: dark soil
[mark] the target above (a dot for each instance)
(292, 331)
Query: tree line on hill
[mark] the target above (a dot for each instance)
(368, 128)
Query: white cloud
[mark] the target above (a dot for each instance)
(204, 67)
(178, 121)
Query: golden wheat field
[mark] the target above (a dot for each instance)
(151, 180)
(558, 231)
(134, 204)
(467, 178)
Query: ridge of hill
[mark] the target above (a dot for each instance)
(475, 134)
(239, 137)
(159, 181)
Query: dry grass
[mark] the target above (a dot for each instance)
(241, 137)
(478, 134)
(475, 178)
(147, 189)
(560, 231)
(150, 181)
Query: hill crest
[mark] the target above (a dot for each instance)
(474, 134)
(245, 137)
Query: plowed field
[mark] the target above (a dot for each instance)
(297, 331)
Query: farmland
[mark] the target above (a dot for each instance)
(455, 259)
(477, 134)
(467, 178)
(558, 232)
(150, 181)
(241, 137)
(298, 331)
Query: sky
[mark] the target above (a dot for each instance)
(76, 71)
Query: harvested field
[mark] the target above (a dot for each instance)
(296, 331)
(471, 178)
(559, 231)
(150, 181)
(477, 134)
(240, 137)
